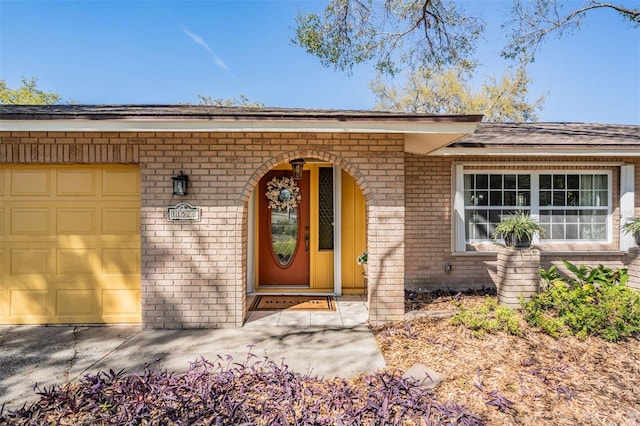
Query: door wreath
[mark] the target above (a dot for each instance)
(283, 193)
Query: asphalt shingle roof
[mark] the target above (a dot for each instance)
(551, 135)
(204, 112)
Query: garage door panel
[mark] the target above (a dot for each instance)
(33, 221)
(76, 183)
(28, 303)
(30, 262)
(69, 244)
(76, 221)
(77, 262)
(120, 183)
(121, 302)
(30, 182)
(120, 261)
(117, 221)
(76, 302)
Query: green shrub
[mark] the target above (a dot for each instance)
(488, 318)
(594, 303)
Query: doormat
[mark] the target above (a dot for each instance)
(293, 303)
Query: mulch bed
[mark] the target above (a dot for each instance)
(530, 380)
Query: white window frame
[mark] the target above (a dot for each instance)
(460, 242)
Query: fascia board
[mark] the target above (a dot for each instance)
(320, 126)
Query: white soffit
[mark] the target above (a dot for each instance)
(423, 144)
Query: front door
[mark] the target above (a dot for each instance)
(283, 230)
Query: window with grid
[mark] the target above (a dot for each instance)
(570, 206)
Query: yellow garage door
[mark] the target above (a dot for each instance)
(69, 244)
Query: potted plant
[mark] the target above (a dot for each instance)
(362, 260)
(632, 226)
(518, 230)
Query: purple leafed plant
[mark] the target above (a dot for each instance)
(224, 392)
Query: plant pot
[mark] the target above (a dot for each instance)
(523, 242)
(364, 265)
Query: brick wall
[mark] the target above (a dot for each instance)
(428, 226)
(194, 274)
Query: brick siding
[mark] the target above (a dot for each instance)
(194, 274)
(428, 225)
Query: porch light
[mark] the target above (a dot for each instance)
(180, 184)
(297, 166)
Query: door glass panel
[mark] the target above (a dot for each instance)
(325, 203)
(284, 234)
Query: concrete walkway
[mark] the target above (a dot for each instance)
(324, 344)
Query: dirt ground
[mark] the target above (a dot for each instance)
(508, 380)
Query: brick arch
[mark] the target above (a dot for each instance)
(305, 153)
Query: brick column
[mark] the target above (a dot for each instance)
(633, 267)
(386, 264)
(518, 275)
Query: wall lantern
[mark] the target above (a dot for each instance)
(297, 166)
(180, 184)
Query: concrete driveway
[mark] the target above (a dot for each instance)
(338, 344)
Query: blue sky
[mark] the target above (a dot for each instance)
(165, 52)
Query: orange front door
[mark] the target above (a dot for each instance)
(283, 235)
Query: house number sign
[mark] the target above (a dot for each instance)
(183, 211)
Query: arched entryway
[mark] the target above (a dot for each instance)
(305, 234)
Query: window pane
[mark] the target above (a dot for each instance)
(586, 198)
(547, 231)
(558, 198)
(495, 216)
(495, 198)
(468, 182)
(599, 216)
(557, 231)
(558, 181)
(557, 216)
(573, 181)
(509, 198)
(600, 182)
(482, 181)
(468, 198)
(600, 232)
(572, 232)
(495, 181)
(524, 181)
(524, 198)
(545, 181)
(586, 232)
(477, 225)
(482, 198)
(510, 181)
(545, 198)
